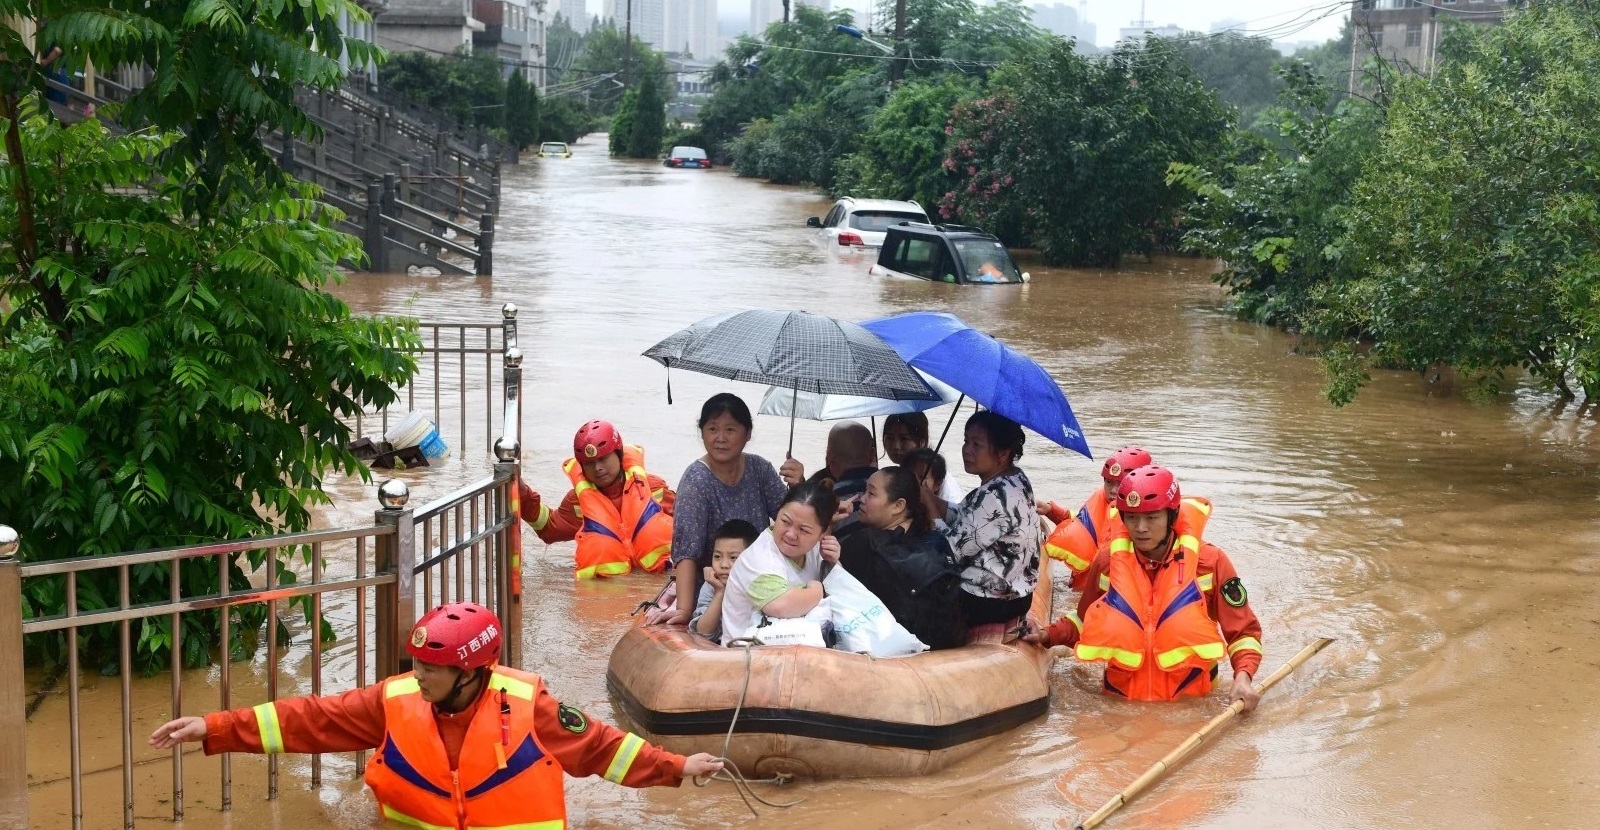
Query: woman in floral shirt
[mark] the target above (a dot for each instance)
(994, 531)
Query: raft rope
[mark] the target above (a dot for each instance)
(730, 771)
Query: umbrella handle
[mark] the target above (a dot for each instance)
(794, 405)
(948, 423)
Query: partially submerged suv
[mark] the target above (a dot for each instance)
(946, 253)
(860, 223)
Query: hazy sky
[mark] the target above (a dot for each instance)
(1289, 20)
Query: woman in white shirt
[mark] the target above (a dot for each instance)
(780, 576)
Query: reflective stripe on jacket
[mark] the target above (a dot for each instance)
(505, 780)
(612, 541)
(1077, 540)
(1156, 638)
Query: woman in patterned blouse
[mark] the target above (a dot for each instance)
(994, 531)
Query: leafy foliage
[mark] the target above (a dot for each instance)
(901, 153)
(1452, 224)
(606, 56)
(1275, 211)
(522, 111)
(649, 120)
(467, 86)
(1071, 153)
(223, 72)
(166, 380)
(1240, 69)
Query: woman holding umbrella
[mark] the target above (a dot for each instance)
(725, 483)
(993, 532)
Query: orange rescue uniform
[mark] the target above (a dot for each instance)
(610, 522)
(1148, 624)
(1078, 538)
(513, 774)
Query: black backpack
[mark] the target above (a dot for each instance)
(916, 578)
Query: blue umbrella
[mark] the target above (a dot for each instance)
(991, 373)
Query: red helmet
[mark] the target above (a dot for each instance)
(1148, 489)
(465, 635)
(596, 439)
(1124, 460)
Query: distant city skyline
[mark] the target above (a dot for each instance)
(1291, 21)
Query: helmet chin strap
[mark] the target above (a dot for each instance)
(449, 703)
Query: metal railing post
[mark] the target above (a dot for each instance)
(485, 245)
(508, 454)
(13, 689)
(377, 246)
(396, 554)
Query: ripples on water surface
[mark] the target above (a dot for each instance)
(1451, 547)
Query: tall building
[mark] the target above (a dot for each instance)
(1058, 19)
(576, 13)
(429, 26)
(764, 13)
(649, 19)
(691, 26)
(514, 31)
(1405, 33)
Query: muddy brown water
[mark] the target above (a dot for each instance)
(1453, 548)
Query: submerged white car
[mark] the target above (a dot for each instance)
(861, 223)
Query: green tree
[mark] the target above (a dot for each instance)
(1478, 219)
(195, 385)
(1241, 69)
(466, 86)
(649, 119)
(222, 73)
(1071, 154)
(522, 111)
(901, 154)
(622, 123)
(172, 366)
(602, 64)
(563, 119)
(1275, 211)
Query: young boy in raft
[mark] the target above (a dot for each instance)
(727, 543)
(462, 742)
(620, 514)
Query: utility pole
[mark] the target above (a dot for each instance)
(897, 69)
(627, 48)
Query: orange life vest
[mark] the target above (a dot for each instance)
(612, 541)
(1157, 640)
(506, 778)
(1077, 540)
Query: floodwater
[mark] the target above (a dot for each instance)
(1452, 548)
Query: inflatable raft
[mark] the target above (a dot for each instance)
(820, 713)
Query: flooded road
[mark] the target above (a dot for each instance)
(1452, 548)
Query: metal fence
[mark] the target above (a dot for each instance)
(367, 584)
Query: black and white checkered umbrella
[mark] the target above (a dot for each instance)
(796, 350)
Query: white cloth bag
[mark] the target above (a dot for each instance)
(862, 623)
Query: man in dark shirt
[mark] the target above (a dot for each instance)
(852, 459)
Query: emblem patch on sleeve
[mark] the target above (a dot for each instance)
(1233, 592)
(571, 719)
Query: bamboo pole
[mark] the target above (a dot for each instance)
(1194, 741)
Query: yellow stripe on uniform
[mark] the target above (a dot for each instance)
(1245, 644)
(1105, 582)
(623, 760)
(511, 686)
(605, 569)
(1209, 652)
(544, 517)
(1074, 561)
(1206, 581)
(556, 824)
(398, 817)
(401, 686)
(1126, 659)
(271, 730)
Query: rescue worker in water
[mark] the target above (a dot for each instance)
(1161, 608)
(620, 514)
(1077, 538)
(462, 742)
